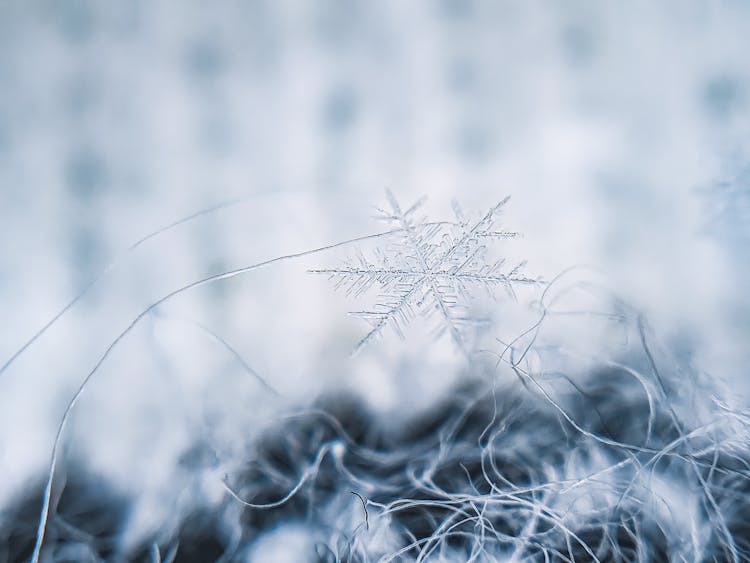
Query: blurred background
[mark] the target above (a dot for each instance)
(619, 129)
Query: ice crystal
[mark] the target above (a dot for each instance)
(428, 268)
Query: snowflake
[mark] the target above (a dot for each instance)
(430, 269)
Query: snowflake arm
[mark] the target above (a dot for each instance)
(395, 313)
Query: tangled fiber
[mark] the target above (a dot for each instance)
(624, 463)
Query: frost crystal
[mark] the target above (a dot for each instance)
(431, 269)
